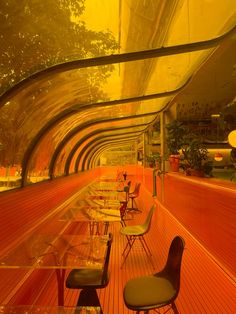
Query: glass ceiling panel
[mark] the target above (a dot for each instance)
(37, 35)
(61, 90)
(44, 151)
(200, 20)
(46, 35)
(25, 114)
(92, 117)
(86, 141)
(80, 160)
(89, 138)
(109, 124)
(44, 99)
(170, 72)
(94, 146)
(120, 156)
(164, 74)
(153, 24)
(95, 154)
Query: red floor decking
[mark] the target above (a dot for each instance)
(204, 286)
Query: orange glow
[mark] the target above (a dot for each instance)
(218, 156)
(232, 138)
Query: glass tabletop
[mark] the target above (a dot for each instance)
(95, 203)
(57, 252)
(91, 214)
(38, 309)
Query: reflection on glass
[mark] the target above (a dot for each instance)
(38, 309)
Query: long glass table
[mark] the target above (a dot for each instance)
(96, 217)
(37, 309)
(58, 252)
(97, 204)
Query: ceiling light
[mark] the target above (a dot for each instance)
(232, 138)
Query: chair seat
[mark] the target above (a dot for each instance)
(85, 278)
(147, 292)
(133, 230)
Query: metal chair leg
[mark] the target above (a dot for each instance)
(145, 246)
(132, 208)
(129, 247)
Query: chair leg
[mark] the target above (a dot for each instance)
(145, 246)
(123, 224)
(89, 297)
(175, 310)
(128, 246)
(132, 206)
(147, 250)
(132, 203)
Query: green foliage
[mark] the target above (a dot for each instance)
(175, 137)
(196, 156)
(35, 35)
(155, 159)
(38, 34)
(233, 155)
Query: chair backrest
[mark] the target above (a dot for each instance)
(173, 264)
(107, 258)
(136, 189)
(148, 220)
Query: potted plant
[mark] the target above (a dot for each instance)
(174, 139)
(196, 160)
(154, 160)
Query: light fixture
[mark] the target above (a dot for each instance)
(218, 156)
(232, 138)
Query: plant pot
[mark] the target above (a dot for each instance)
(195, 173)
(174, 163)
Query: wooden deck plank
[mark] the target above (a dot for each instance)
(205, 288)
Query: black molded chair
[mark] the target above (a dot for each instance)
(134, 232)
(89, 280)
(133, 195)
(158, 290)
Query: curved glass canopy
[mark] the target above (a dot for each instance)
(84, 78)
